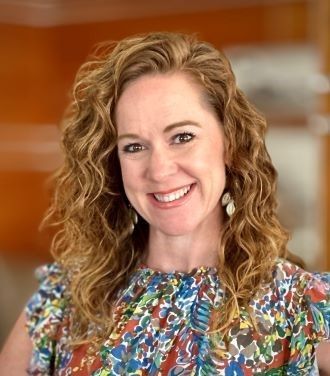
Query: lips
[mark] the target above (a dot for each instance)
(173, 195)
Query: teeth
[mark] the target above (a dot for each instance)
(173, 195)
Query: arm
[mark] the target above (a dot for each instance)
(323, 358)
(16, 353)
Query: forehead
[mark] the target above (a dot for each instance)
(169, 96)
(171, 81)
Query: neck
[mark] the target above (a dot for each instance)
(182, 252)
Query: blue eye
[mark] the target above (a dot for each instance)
(133, 148)
(183, 138)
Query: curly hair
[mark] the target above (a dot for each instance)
(93, 240)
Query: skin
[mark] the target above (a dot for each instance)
(16, 353)
(323, 358)
(168, 138)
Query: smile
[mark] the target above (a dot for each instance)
(172, 196)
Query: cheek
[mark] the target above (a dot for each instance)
(211, 158)
(217, 155)
(128, 186)
(129, 173)
(216, 166)
(125, 174)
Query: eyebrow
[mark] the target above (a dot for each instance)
(166, 130)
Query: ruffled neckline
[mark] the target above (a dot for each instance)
(195, 272)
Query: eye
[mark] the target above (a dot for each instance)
(183, 138)
(133, 148)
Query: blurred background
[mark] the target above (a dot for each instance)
(279, 51)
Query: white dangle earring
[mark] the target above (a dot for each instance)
(228, 202)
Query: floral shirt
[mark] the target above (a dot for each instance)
(161, 322)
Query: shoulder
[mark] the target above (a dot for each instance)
(290, 277)
(306, 297)
(50, 273)
(49, 299)
(45, 312)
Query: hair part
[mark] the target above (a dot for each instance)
(89, 205)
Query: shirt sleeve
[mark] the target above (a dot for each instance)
(309, 319)
(44, 313)
(316, 300)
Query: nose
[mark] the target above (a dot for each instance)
(161, 165)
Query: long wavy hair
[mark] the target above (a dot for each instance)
(94, 243)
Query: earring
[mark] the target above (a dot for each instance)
(228, 202)
(134, 218)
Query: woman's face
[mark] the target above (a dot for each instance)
(171, 152)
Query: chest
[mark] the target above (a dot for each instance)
(159, 343)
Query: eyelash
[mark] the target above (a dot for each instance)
(131, 148)
(136, 147)
(185, 135)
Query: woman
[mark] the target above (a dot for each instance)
(170, 259)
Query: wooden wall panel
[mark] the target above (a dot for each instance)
(38, 64)
(23, 199)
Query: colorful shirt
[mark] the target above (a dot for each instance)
(161, 323)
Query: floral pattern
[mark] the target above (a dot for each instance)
(161, 322)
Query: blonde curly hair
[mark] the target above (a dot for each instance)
(93, 240)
